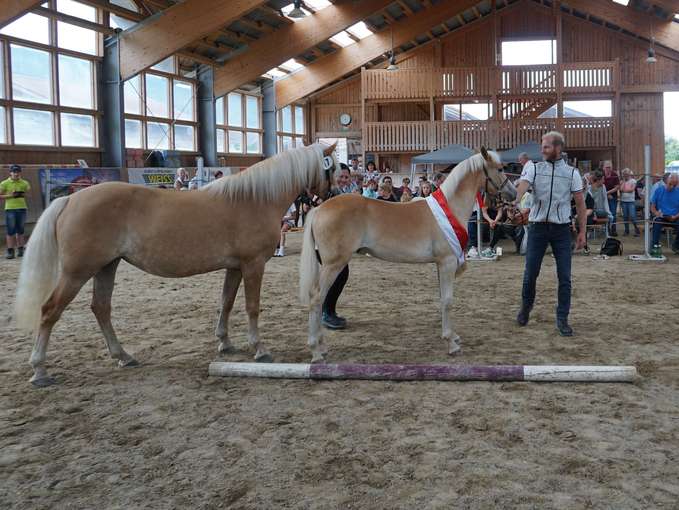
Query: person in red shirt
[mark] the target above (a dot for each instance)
(612, 183)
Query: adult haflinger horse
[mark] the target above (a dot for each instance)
(232, 223)
(421, 231)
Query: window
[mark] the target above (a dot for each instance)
(30, 27)
(133, 138)
(133, 97)
(467, 111)
(157, 96)
(3, 125)
(33, 127)
(526, 53)
(290, 124)
(77, 130)
(126, 4)
(239, 120)
(160, 110)
(76, 86)
(31, 75)
(602, 108)
(120, 22)
(2, 71)
(183, 100)
(76, 38)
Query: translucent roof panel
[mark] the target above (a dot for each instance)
(360, 30)
(342, 39)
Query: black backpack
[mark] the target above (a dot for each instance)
(611, 247)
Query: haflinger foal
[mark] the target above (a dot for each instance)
(431, 230)
(232, 223)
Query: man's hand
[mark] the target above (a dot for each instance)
(581, 241)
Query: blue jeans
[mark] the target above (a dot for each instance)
(658, 224)
(559, 237)
(613, 206)
(15, 219)
(629, 213)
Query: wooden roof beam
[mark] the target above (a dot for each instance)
(168, 31)
(73, 20)
(13, 9)
(290, 41)
(328, 69)
(664, 32)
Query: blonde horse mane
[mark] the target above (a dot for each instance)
(283, 173)
(472, 164)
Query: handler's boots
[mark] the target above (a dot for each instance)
(523, 315)
(563, 327)
(10, 253)
(20, 251)
(334, 321)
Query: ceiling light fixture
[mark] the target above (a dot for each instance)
(651, 50)
(392, 59)
(296, 11)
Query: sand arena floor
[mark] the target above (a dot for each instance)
(164, 435)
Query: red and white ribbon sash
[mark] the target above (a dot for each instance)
(452, 229)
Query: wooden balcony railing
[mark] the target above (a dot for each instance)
(460, 82)
(499, 134)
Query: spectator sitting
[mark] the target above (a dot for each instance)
(406, 196)
(438, 180)
(287, 223)
(386, 194)
(602, 213)
(405, 186)
(387, 169)
(628, 187)
(354, 166)
(360, 184)
(660, 182)
(665, 210)
(395, 192)
(425, 189)
(370, 191)
(181, 181)
(499, 230)
(344, 182)
(611, 185)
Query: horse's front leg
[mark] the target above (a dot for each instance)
(231, 284)
(252, 278)
(446, 269)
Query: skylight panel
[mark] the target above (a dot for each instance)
(291, 65)
(317, 5)
(342, 39)
(622, 2)
(360, 30)
(274, 73)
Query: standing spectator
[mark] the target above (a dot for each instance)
(438, 180)
(354, 166)
(344, 181)
(371, 171)
(370, 191)
(387, 169)
(612, 183)
(665, 210)
(181, 181)
(628, 187)
(13, 191)
(523, 159)
(553, 183)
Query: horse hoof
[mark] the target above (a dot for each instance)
(130, 363)
(226, 349)
(264, 358)
(317, 360)
(454, 349)
(43, 382)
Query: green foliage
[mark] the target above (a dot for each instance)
(671, 150)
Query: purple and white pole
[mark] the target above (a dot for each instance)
(417, 372)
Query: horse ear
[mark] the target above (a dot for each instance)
(485, 154)
(329, 150)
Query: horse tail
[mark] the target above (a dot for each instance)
(39, 269)
(308, 262)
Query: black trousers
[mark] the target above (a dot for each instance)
(335, 290)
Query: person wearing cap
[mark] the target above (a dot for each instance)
(13, 192)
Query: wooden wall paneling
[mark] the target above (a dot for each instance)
(642, 123)
(527, 22)
(348, 91)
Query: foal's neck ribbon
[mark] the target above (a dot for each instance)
(452, 229)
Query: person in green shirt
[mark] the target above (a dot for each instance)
(13, 192)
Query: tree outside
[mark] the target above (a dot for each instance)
(671, 150)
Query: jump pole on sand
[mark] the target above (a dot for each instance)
(414, 372)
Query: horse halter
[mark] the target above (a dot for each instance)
(498, 190)
(329, 168)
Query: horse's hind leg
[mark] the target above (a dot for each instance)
(231, 284)
(446, 270)
(327, 275)
(67, 288)
(103, 283)
(252, 279)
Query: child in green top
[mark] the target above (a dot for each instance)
(13, 191)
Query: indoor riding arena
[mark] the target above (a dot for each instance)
(339, 254)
